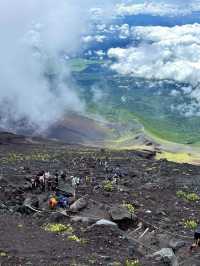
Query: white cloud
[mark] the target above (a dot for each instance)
(164, 53)
(95, 38)
(158, 8)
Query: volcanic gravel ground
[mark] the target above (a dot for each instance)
(148, 184)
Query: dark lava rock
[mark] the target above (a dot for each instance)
(166, 256)
(56, 217)
(79, 204)
(32, 201)
(119, 213)
(176, 244)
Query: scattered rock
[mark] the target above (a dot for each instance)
(32, 201)
(84, 220)
(123, 189)
(150, 186)
(105, 222)
(167, 256)
(163, 240)
(176, 244)
(56, 217)
(79, 204)
(131, 251)
(120, 213)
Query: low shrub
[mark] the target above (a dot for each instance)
(58, 228)
(129, 207)
(132, 263)
(76, 239)
(190, 224)
(187, 196)
(108, 186)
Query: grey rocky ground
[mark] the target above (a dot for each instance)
(105, 231)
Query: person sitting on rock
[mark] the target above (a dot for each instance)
(63, 201)
(53, 202)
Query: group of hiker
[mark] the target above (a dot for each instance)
(44, 181)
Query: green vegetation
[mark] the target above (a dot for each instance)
(190, 224)
(108, 186)
(76, 239)
(3, 254)
(192, 197)
(18, 157)
(129, 207)
(132, 263)
(180, 157)
(58, 228)
(80, 64)
(127, 99)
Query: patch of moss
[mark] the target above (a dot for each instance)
(187, 196)
(108, 186)
(3, 254)
(76, 239)
(181, 157)
(58, 228)
(132, 263)
(190, 224)
(129, 207)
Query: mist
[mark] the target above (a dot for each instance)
(34, 81)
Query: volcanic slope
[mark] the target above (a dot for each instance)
(150, 208)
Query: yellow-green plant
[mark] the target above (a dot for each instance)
(190, 224)
(76, 239)
(3, 254)
(58, 228)
(192, 197)
(108, 186)
(187, 196)
(129, 207)
(132, 263)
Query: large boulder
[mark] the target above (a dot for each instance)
(65, 189)
(120, 213)
(105, 222)
(32, 201)
(79, 204)
(176, 244)
(84, 220)
(166, 256)
(123, 217)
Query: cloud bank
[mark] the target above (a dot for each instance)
(158, 8)
(163, 53)
(35, 36)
